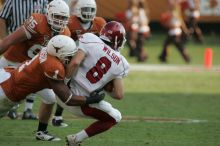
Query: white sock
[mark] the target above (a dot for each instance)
(28, 105)
(58, 117)
(82, 135)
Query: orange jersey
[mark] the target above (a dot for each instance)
(40, 32)
(76, 29)
(31, 76)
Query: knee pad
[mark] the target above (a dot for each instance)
(48, 96)
(116, 115)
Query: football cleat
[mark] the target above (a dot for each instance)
(12, 114)
(162, 59)
(58, 123)
(45, 136)
(71, 140)
(29, 115)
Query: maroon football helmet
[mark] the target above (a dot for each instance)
(114, 33)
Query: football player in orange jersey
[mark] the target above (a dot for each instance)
(44, 74)
(28, 40)
(83, 19)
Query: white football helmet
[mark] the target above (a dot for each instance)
(58, 15)
(85, 9)
(63, 47)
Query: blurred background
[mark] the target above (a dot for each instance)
(205, 15)
(172, 92)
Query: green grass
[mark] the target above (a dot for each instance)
(159, 95)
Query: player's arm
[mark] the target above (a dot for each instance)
(74, 63)
(67, 97)
(3, 32)
(4, 16)
(18, 36)
(117, 91)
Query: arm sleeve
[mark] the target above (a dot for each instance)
(66, 32)
(125, 67)
(31, 24)
(84, 42)
(6, 10)
(53, 69)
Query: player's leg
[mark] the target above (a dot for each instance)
(58, 119)
(106, 116)
(28, 114)
(197, 32)
(181, 48)
(45, 111)
(5, 104)
(132, 37)
(141, 53)
(164, 53)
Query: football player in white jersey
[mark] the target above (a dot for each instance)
(98, 62)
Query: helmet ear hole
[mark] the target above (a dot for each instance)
(114, 32)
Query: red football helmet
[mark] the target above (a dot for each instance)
(114, 33)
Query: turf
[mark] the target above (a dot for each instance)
(155, 109)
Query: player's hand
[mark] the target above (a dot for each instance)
(95, 97)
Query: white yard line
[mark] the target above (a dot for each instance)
(161, 120)
(150, 119)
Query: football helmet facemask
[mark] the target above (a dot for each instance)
(85, 10)
(58, 15)
(63, 47)
(114, 33)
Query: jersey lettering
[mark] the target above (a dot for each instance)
(56, 72)
(26, 64)
(32, 22)
(96, 72)
(34, 50)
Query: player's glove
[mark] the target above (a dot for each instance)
(95, 97)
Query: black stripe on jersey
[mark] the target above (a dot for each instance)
(7, 9)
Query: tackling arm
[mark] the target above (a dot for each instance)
(67, 97)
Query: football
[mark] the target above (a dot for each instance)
(165, 18)
(109, 86)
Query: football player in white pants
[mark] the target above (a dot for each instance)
(97, 63)
(82, 19)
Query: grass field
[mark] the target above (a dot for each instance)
(159, 108)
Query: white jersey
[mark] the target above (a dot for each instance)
(101, 65)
